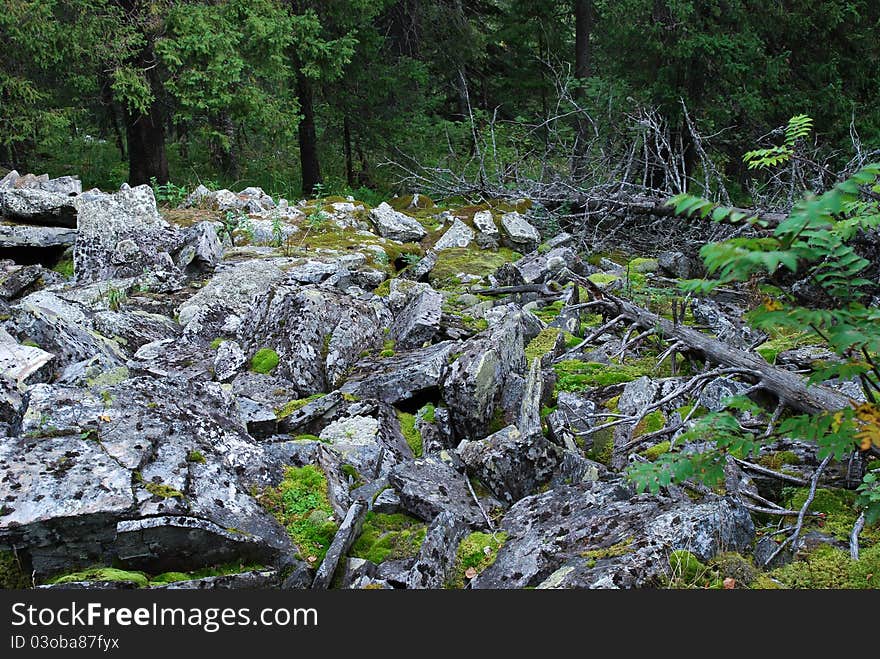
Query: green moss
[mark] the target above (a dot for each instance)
(300, 503)
(264, 361)
(572, 341)
(603, 279)
(828, 567)
(292, 406)
(170, 577)
(652, 422)
(307, 438)
(12, 575)
(549, 312)
(497, 422)
(575, 375)
(643, 265)
(687, 570)
(778, 459)
(468, 260)
(618, 549)
(542, 344)
(383, 289)
(783, 340)
(656, 451)
(352, 474)
(477, 552)
(388, 537)
(195, 456)
(765, 582)
(108, 378)
(839, 509)
(427, 413)
(104, 574)
(410, 432)
(602, 448)
(163, 491)
(735, 566)
(64, 267)
(30, 343)
(388, 349)
(216, 342)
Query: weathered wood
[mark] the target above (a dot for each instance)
(791, 388)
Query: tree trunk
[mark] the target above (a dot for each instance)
(223, 151)
(583, 56)
(146, 147)
(346, 147)
(308, 137)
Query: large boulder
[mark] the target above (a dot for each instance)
(396, 226)
(418, 322)
(518, 234)
(19, 236)
(428, 487)
(122, 234)
(317, 333)
(35, 206)
(598, 535)
(458, 235)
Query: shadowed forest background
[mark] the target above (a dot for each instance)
(289, 94)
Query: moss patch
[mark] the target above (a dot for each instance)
(104, 574)
(778, 459)
(643, 265)
(839, 509)
(687, 571)
(549, 313)
(292, 406)
(301, 504)
(656, 451)
(603, 279)
(195, 456)
(163, 491)
(828, 567)
(468, 260)
(475, 553)
(575, 375)
(410, 432)
(652, 422)
(542, 344)
(264, 361)
(12, 576)
(64, 268)
(389, 537)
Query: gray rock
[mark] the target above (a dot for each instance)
(38, 207)
(20, 281)
(357, 569)
(538, 267)
(603, 537)
(348, 532)
(487, 232)
(202, 247)
(122, 235)
(458, 235)
(428, 487)
(529, 423)
(637, 395)
(319, 334)
(396, 226)
(229, 361)
(232, 288)
(509, 463)
(252, 580)
(438, 552)
(518, 234)
(357, 441)
(259, 419)
(386, 502)
(476, 380)
(714, 393)
(403, 376)
(418, 322)
(560, 240)
(727, 327)
(196, 197)
(574, 469)
(19, 362)
(676, 264)
(421, 270)
(36, 236)
(573, 416)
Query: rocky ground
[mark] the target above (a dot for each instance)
(242, 392)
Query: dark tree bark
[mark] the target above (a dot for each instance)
(583, 60)
(346, 147)
(224, 153)
(308, 137)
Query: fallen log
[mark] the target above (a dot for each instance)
(790, 388)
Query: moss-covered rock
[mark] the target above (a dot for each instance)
(410, 432)
(542, 344)
(104, 574)
(475, 553)
(301, 504)
(575, 375)
(292, 406)
(388, 537)
(470, 261)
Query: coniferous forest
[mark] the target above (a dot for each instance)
(399, 294)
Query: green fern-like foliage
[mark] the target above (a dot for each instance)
(814, 240)
(798, 128)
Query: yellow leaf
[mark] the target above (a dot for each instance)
(772, 305)
(104, 417)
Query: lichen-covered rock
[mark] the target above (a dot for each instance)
(476, 380)
(230, 359)
(357, 440)
(677, 264)
(121, 235)
(418, 322)
(36, 236)
(729, 328)
(396, 226)
(487, 232)
(20, 362)
(36, 206)
(713, 395)
(510, 464)
(600, 536)
(401, 376)
(19, 282)
(317, 333)
(539, 267)
(458, 235)
(202, 248)
(428, 487)
(154, 473)
(437, 555)
(518, 234)
(571, 419)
